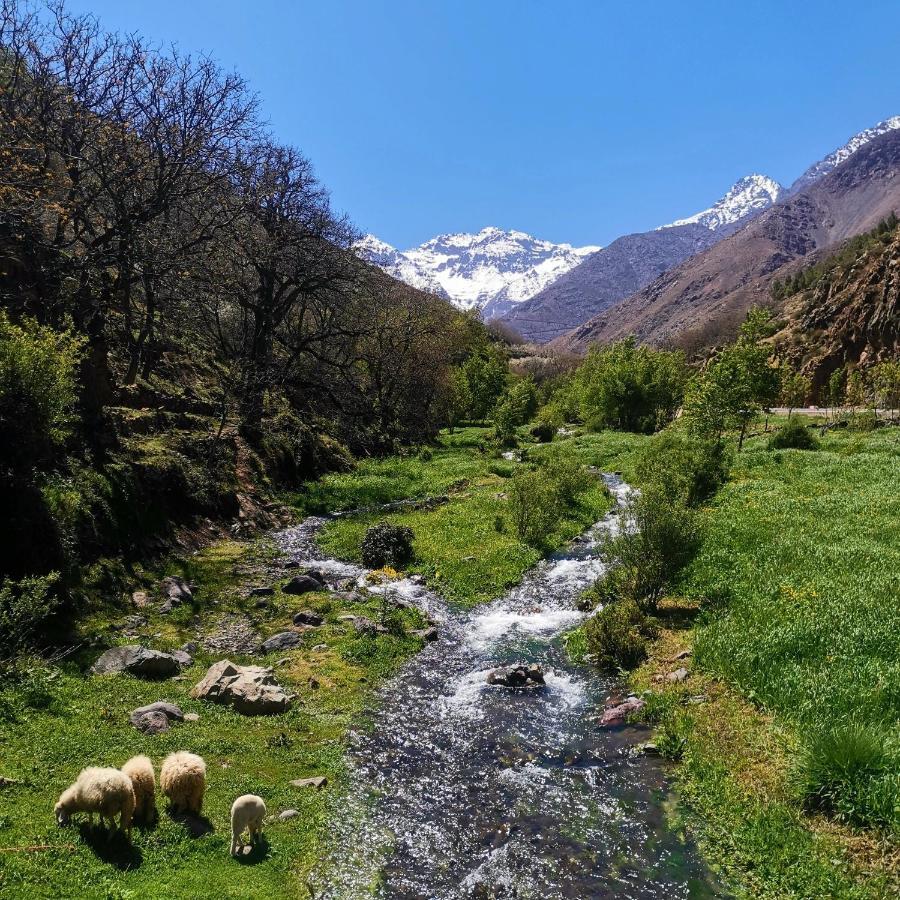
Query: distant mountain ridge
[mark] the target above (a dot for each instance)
(751, 194)
(490, 271)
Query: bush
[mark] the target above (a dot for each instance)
(617, 636)
(38, 390)
(846, 771)
(569, 477)
(690, 468)
(534, 506)
(25, 606)
(793, 436)
(657, 538)
(543, 432)
(862, 421)
(386, 544)
(426, 454)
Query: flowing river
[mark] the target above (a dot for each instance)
(461, 789)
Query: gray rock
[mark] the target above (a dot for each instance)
(176, 590)
(190, 647)
(250, 690)
(184, 658)
(152, 723)
(319, 648)
(287, 814)
(427, 634)
(191, 717)
(616, 713)
(317, 782)
(138, 661)
(302, 584)
(169, 710)
(284, 640)
(677, 676)
(362, 625)
(518, 675)
(261, 592)
(307, 617)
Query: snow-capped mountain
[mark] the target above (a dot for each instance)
(751, 194)
(824, 166)
(490, 271)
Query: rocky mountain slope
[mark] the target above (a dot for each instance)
(722, 282)
(491, 271)
(632, 262)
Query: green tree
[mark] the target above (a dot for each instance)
(794, 389)
(630, 387)
(855, 392)
(834, 391)
(458, 396)
(486, 373)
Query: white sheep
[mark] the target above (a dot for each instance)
(182, 779)
(247, 814)
(107, 792)
(140, 770)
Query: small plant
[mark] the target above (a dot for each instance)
(24, 607)
(499, 524)
(617, 636)
(862, 421)
(389, 616)
(426, 454)
(386, 544)
(534, 506)
(838, 769)
(793, 436)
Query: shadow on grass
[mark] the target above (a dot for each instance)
(195, 825)
(254, 853)
(111, 846)
(677, 615)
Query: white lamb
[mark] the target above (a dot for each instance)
(140, 770)
(182, 779)
(247, 814)
(107, 792)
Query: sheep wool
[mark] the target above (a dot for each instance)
(140, 770)
(182, 779)
(247, 814)
(107, 792)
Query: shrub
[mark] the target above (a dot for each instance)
(657, 538)
(617, 636)
(24, 607)
(386, 544)
(689, 467)
(543, 432)
(569, 477)
(38, 390)
(862, 421)
(534, 506)
(842, 771)
(793, 436)
(426, 454)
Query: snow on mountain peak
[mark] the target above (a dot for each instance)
(473, 269)
(824, 166)
(752, 193)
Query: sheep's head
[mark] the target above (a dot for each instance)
(63, 808)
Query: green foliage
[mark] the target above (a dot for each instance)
(657, 539)
(688, 467)
(38, 390)
(793, 435)
(794, 388)
(630, 387)
(386, 544)
(485, 372)
(25, 607)
(515, 408)
(568, 476)
(543, 432)
(617, 635)
(534, 506)
(865, 420)
(842, 771)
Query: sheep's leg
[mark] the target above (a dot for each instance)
(235, 843)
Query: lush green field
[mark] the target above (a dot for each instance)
(799, 579)
(457, 545)
(55, 720)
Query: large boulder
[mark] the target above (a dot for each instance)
(137, 660)
(518, 675)
(284, 640)
(302, 584)
(249, 690)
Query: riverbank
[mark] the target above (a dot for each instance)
(798, 578)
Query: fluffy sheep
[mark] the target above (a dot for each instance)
(140, 770)
(182, 779)
(247, 814)
(107, 792)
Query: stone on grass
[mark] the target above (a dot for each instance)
(249, 690)
(302, 584)
(261, 592)
(191, 717)
(616, 713)
(140, 599)
(137, 660)
(183, 657)
(176, 591)
(518, 675)
(317, 782)
(427, 634)
(284, 640)
(286, 814)
(677, 676)
(307, 617)
(155, 717)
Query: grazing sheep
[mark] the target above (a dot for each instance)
(107, 792)
(182, 779)
(140, 770)
(247, 814)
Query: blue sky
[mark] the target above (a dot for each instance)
(573, 120)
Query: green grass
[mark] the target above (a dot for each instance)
(457, 545)
(55, 720)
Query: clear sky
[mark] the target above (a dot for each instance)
(574, 120)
